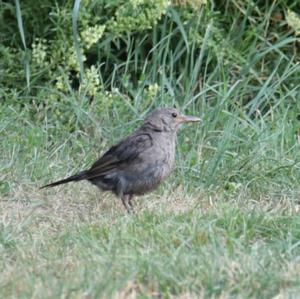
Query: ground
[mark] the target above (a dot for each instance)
(76, 242)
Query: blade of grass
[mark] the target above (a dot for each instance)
(22, 33)
(75, 14)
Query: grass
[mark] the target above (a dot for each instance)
(226, 224)
(209, 231)
(62, 245)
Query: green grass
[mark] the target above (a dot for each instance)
(197, 246)
(226, 224)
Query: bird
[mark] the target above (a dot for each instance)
(140, 162)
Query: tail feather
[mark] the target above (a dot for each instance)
(77, 177)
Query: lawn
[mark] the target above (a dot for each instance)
(75, 243)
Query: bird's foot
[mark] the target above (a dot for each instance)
(127, 202)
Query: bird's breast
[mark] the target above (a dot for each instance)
(152, 167)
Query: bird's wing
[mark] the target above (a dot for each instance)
(125, 151)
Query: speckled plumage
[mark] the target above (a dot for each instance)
(138, 163)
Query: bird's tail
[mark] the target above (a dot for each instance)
(76, 177)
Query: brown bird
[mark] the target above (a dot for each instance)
(138, 163)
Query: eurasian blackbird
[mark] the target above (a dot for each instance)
(138, 163)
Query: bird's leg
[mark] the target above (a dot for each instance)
(125, 199)
(130, 202)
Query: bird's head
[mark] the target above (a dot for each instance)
(168, 119)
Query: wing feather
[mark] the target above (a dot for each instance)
(125, 151)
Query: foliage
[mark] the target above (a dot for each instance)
(236, 64)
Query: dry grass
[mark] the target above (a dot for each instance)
(59, 242)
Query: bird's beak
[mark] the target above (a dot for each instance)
(188, 118)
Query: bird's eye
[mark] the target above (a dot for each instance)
(174, 114)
